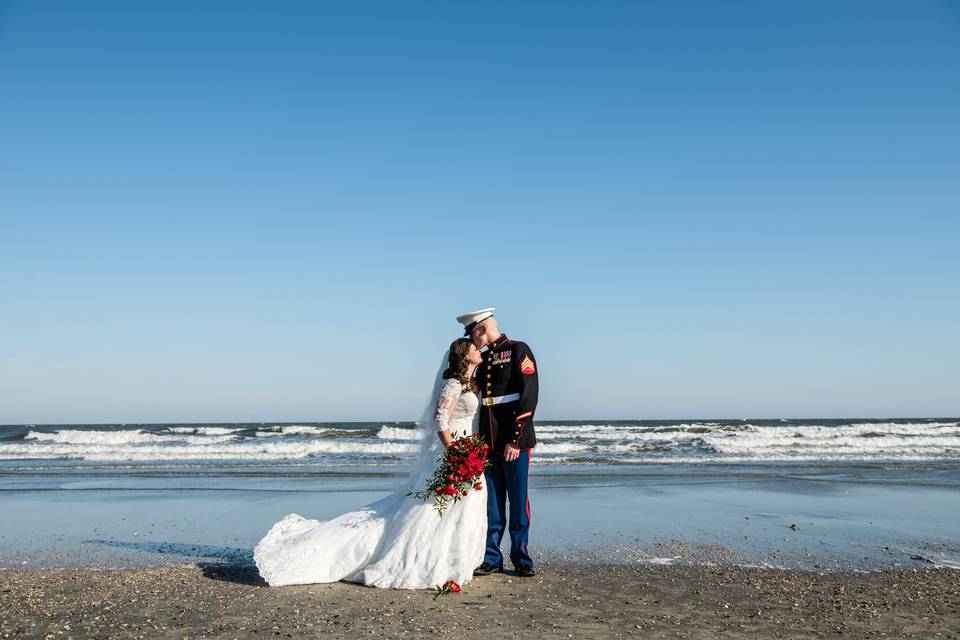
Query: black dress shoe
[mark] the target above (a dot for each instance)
(526, 572)
(486, 569)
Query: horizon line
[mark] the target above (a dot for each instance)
(579, 420)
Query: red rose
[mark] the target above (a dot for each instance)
(478, 486)
(448, 587)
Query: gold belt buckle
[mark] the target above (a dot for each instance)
(488, 402)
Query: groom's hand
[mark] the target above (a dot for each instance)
(510, 453)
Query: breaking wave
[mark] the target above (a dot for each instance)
(584, 443)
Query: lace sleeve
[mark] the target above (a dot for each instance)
(449, 395)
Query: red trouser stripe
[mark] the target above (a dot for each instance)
(527, 496)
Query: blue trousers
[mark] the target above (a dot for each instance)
(507, 481)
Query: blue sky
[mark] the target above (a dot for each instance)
(227, 211)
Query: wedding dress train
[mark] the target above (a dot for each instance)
(397, 542)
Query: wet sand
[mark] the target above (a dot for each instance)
(812, 518)
(562, 601)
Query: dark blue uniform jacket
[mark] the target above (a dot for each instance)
(508, 367)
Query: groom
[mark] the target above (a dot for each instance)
(507, 378)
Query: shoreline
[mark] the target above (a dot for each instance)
(563, 600)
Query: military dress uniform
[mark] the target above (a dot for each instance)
(508, 383)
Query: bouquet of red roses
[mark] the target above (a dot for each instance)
(460, 469)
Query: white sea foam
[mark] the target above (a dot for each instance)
(83, 436)
(617, 433)
(610, 432)
(252, 449)
(933, 439)
(119, 438)
(830, 444)
(396, 433)
(691, 442)
(577, 447)
(864, 439)
(888, 426)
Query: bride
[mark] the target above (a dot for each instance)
(397, 542)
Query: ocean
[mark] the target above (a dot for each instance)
(326, 445)
(861, 494)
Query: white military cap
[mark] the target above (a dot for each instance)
(470, 320)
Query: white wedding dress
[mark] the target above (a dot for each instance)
(397, 542)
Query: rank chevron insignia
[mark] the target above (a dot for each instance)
(527, 367)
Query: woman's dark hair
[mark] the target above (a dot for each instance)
(457, 364)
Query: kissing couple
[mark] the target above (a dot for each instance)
(487, 385)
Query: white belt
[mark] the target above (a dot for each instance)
(510, 397)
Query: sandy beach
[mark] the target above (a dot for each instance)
(563, 601)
